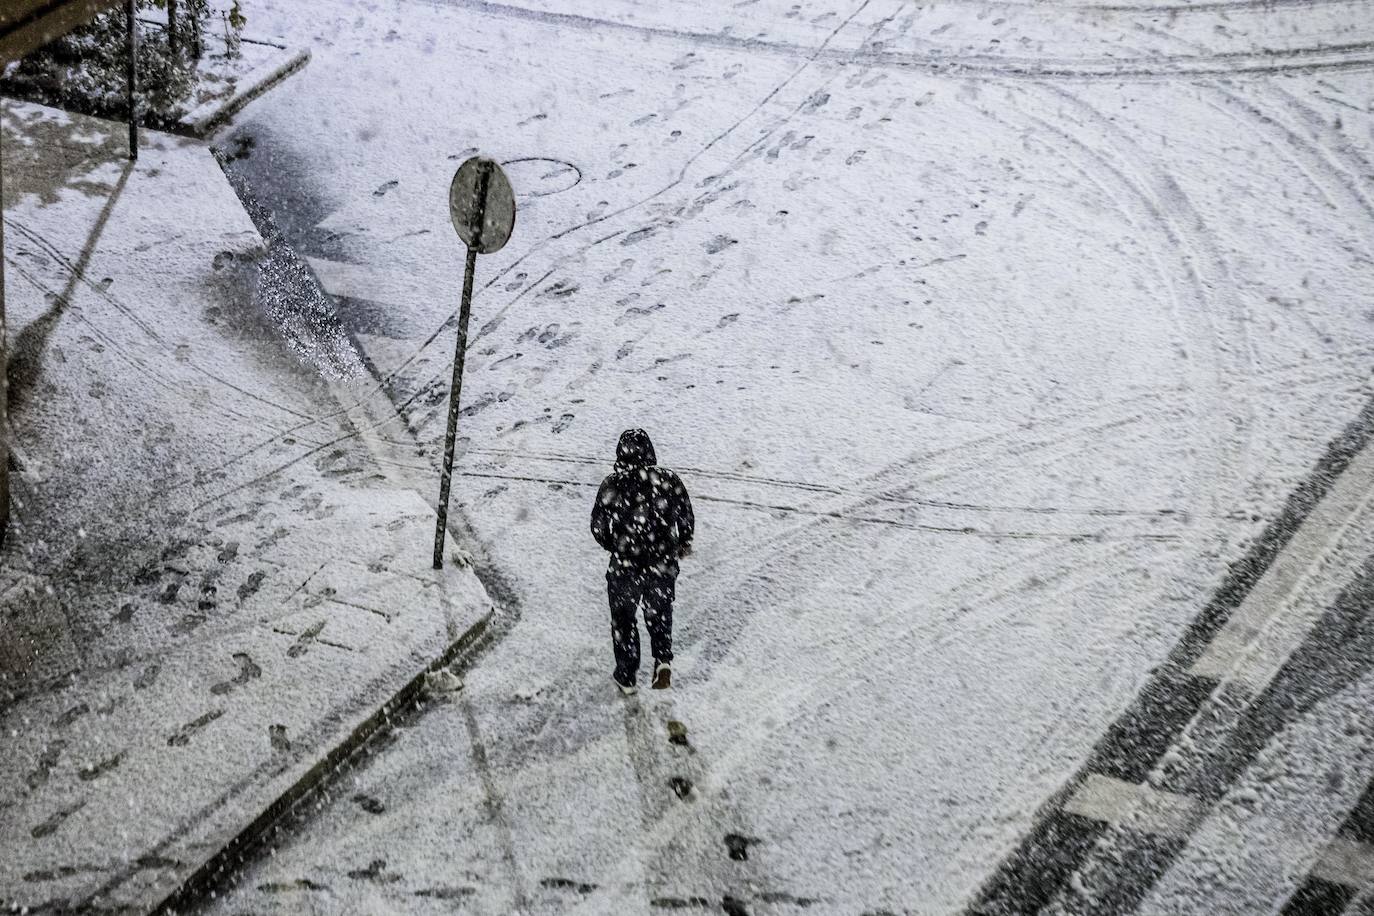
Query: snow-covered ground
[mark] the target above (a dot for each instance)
(209, 579)
(985, 335)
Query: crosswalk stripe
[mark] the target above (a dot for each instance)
(1343, 516)
(1138, 807)
(1345, 861)
(1143, 808)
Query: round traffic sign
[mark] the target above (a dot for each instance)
(482, 205)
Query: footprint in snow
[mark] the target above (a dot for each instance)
(737, 846)
(566, 884)
(638, 312)
(375, 872)
(368, 803)
(625, 265)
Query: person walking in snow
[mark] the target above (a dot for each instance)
(643, 517)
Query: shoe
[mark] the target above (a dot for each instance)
(663, 676)
(628, 690)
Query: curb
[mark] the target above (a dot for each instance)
(203, 119)
(219, 867)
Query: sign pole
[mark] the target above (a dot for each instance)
(4, 374)
(456, 389)
(132, 77)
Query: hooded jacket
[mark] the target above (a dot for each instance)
(642, 512)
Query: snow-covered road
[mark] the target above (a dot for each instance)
(985, 335)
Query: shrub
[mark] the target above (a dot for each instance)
(86, 68)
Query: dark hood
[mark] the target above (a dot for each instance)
(634, 450)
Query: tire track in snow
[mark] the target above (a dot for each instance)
(1319, 159)
(805, 550)
(1227, 64)
(1323, 156)
(964, 530)
(1286, 375)
(1355, 164)
(1354, 55)
(1207, 273)
(980, 461)
(1148, 216)
(982, 592)
(500, 455)
(1304, 157)
(739, 554)
(1182, 7)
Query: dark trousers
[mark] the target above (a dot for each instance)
(628, 585)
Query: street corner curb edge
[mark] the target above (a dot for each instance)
(191, 894)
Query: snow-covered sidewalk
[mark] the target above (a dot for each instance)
(213, 576)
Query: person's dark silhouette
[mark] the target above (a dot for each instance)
(643, 517)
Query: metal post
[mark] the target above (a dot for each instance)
(483, 178)
(173, 42)
(4, 380)
(133, 78)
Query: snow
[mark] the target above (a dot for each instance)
(210, 579)
(983, 335)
